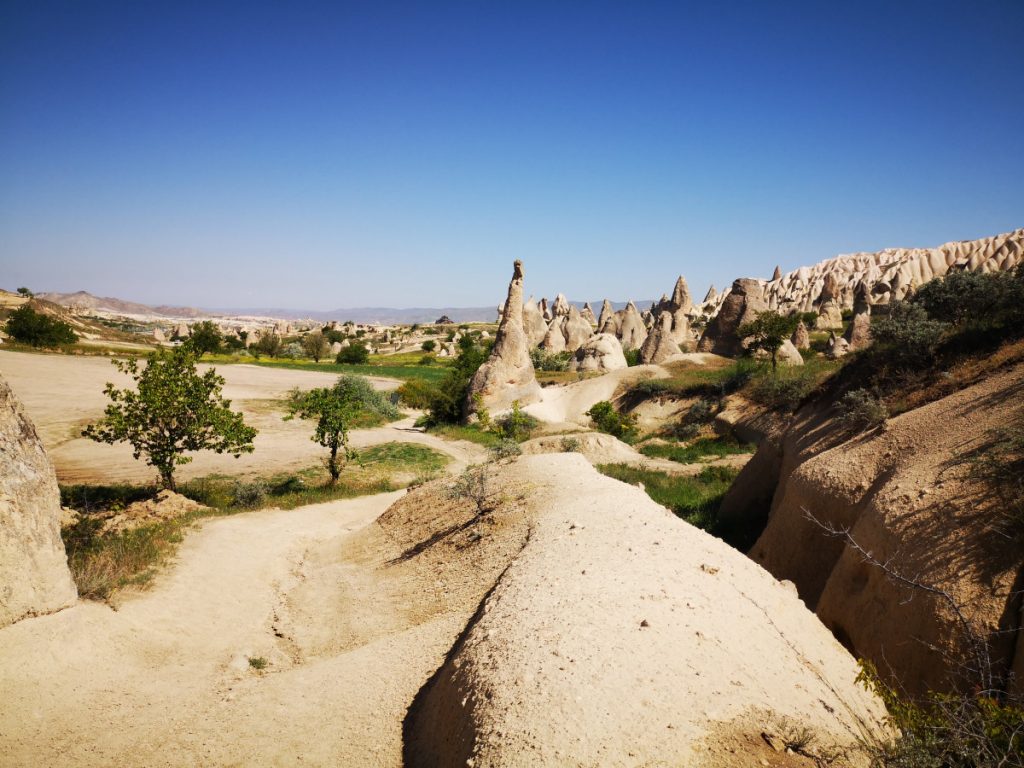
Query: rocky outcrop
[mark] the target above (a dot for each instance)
(588, 314)
(560, 667)
(533, 323)
(601, 352)
(560, 307)
(554, 338)
(659, 345)
(575, 329)
(892, 273)
(631, 329)
(788, 354)
(508, 374)
(743, 303)
(34, 575)
(801, 337)
(907, 495)
(836, 347)
(858, 335)
(608, 322)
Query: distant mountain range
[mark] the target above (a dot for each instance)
(383, 315)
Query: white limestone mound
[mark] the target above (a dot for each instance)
(34, 575)
(622, 636)
(601, 352)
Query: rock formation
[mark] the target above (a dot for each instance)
(777, 274)
(788, 354)
(837, 346)
(560, 307)
(588, 314)
(533, 323)
(554, 337)
(696, 643)
(631, 331)
(858, 335)
(742, 304)
(659, 346)
(34, 575)
(575, 329)
(508, 374)
(902, 499)
(608, 322)
(601, 352)
(891, 273)
(801, 337)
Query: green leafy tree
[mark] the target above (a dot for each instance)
(25, 292)
(334, 409)
(37, 329)
(271, 345)
(429, 345)
(316, 345)
(355, 353)
(607, 419)
(173, 410)
(449, 396)
(768, 332)
(205, 337)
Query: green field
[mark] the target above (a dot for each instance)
(377, 366)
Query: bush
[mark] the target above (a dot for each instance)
(294, 351)
(785, 390)
(516, 425)
(1000, 466)
(550, 361)
(271, 345)
(426, 360)
(449, 396)
(610, 421)
(250, 494)
(505, 449)
(355, 353)
(417, 393)
(860, 410)
(429, 345)
(632, 356)
(569, 445)
(37, 329)
(906, 337)
(205, 337)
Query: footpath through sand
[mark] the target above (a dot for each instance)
(165, 680)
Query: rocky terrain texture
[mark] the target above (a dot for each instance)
(907, 495)
(34, 576)
(581, 623)
(619, 635)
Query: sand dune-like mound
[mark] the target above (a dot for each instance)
(620, 635)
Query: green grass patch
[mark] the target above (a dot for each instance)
(472, 433)
(102, 563)
(377, 366)
(701, 449)
(690, 380)
(695, 499)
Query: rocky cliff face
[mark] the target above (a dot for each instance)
(907, 496)
(34, 576)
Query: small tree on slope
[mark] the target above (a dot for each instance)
(768, 331)
(173, 410)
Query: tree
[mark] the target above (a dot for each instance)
(172, 411)
(206, 337)
(355, 353)
(768, 332)
(25, 292)
(429, 345)
(334, 409)
(37, 329)
(270, 344)
(316, 345)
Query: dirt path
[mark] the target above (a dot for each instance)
(165, 680)
(63, 393)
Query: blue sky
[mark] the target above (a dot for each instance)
(322, 155)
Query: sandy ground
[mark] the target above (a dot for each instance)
(165, 680)
(63, 393)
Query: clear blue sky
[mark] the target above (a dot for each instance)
(319, 155)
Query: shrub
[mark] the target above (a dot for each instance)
(906, 337)
(569, 445)
(1000, 466)
(505, 449)
(550, 361)
(449, 396)
(205, 337)
(607, 419)
(632, 356)
(294, 351)
(355, 353)
(271, 345)
(516, 425)
(783, 391)
(861, 410)
(250, 494)
(426, 360)
(429, 345)
(417, 393)
(37, 329)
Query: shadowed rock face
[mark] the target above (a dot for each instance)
(508, 374)
(601, 352)
(34, 576)
(533, 323)
(744, 302)
(659, 345)
(632, 330)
